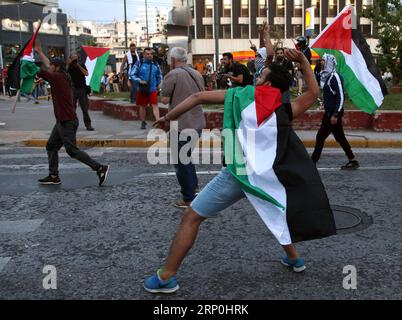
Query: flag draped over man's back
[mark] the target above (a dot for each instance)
(276, 173)
(362, 78)
(24, 67)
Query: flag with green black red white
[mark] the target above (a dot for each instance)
(273, 167)
(95, 61)
(362, 78)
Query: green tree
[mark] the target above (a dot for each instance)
(387, 18)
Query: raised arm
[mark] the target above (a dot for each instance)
(39, 51)
(267, 39)
(307, 99)
(204, 97)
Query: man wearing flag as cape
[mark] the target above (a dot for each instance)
(266, 162)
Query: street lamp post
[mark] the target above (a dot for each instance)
(146, 20)
(125, 24)
(19, 23)
(216, 23)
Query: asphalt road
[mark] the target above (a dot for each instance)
(104, 241)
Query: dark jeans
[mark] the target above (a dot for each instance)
(337, 130)
(186, 173)
(64, 133)
(133, 91)
(80, 95)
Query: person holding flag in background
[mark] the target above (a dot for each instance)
(333, 94)
(348, 64)
(65, 129)
(22, 72)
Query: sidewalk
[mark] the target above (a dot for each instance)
(31, 124)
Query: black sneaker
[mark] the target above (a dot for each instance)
(351, 165)
(90, 129)
(50, 180)
(143, 125)
(102, 174)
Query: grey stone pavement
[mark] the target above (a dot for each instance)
(104, 241)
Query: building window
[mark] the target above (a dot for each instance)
(297, 30)
(244, 8)
(226, 31)
(367, 4)
(209, 8)
(209, 33)
(332, 8)
(316, 5)
(226, 10)
(317, 29)
(244, 31)
(279, 31)
(366, 30)
(280, 8)
(262, 8)
(298, 8)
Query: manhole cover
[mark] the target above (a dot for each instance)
(350, 220)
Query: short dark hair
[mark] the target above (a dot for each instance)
(279, 49)
(58, 62)
(148, 49)
(279, 77)
(228, 55)
(132, 45)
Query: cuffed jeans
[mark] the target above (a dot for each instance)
(64, 133)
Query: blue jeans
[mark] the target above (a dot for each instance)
(133, 91)
(186, 174)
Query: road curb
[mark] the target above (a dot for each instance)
(142, 143)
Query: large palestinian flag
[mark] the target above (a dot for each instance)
(273, 166)
(24, 67)
(362, 78)
(95, 60)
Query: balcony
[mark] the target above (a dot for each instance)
(207, 21)
(279, 20)
(244, 20)
(297, 20)
(226, 20)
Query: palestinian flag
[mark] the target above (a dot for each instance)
(362, 78)
(276, 173)
(24, 67)
(95, 61)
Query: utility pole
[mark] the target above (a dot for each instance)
(125, 24)
(217, 24)
(146, 20)
(19, 23)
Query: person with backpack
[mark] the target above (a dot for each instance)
(148, 76)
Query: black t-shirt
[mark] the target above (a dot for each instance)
(238, 69)
(287, 64)
(77, 77)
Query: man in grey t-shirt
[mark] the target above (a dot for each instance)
(180, 83)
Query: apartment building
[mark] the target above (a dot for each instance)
(239, 21)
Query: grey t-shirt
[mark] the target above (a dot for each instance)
(178, 84)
